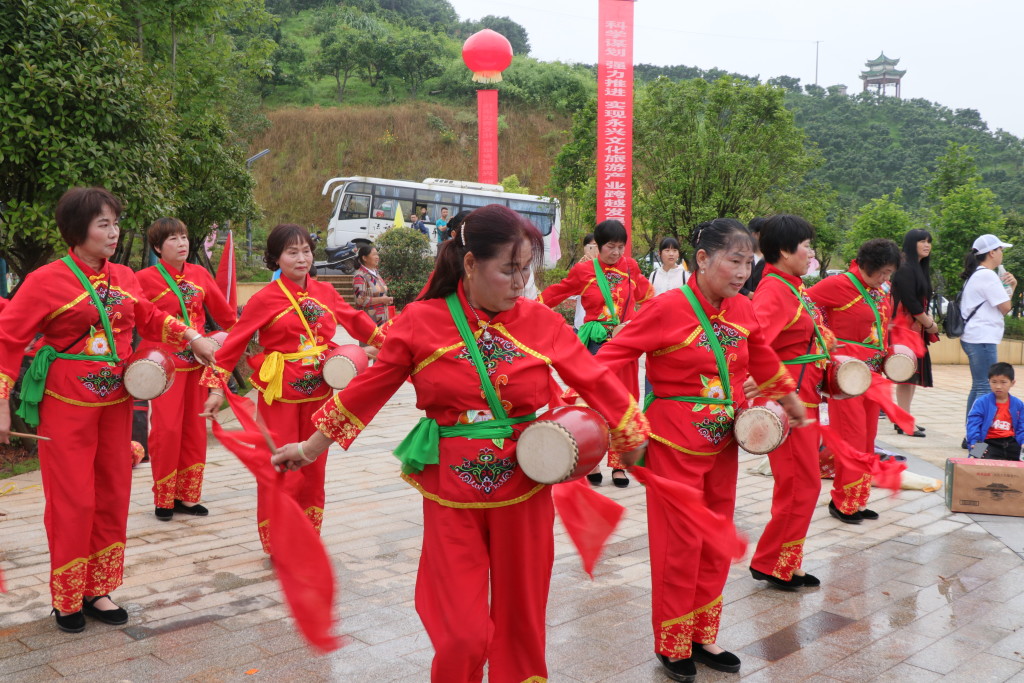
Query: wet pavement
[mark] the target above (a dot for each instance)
(921, 594)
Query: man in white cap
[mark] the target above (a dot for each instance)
(986, 300)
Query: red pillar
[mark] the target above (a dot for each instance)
(487, 134)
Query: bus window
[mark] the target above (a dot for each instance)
(524, 206)
(541, 221)
(355, 206)
(472, 201)
(362, 188)
(395, 192)
(385, 208)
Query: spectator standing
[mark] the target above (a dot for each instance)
(416, 223)
(589, 254)
(441, 226)
(371, 292)
(670, 274)
(984, 303)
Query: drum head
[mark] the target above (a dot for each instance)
(146, 379)
(758, 430)
(853, 378)
(900, 367)
(339, 371)
(547, 452)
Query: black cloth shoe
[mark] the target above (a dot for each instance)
(197, 509)
(621, 482)
(963, 444)
(684, 670)
(70, 623)
(115, 617)
(164, 514)
(868, 514)
(775, 581)
(855, 518)
(808, 580)
(723, 661)
(918, 432)
(595, 478)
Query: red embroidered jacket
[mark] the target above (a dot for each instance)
(53, 302)
(789, 329)
(850, 317)
(197, 288)
(680, 362)
(527, 342)
(270, 313)
(628, 286)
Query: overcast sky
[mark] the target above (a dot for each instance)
(961, 54)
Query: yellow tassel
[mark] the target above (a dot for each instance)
(487, 77)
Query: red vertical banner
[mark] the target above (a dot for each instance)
(487, 132)
(615, 113)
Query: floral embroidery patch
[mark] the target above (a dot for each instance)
(712, 389)
(102, 383)
(613, 279)
(727, 336)
(186, 355)
(495, 350)
(311, 311)
(714, 429)
(487, 473)
(188, 290)
(109, 296)
(97, 343)
(308, 383)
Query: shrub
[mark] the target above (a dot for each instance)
(405, 263)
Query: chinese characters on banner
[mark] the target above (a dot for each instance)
(615, 112)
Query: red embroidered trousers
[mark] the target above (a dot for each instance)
(87, 480)
(686, 578)
(797, 477)
(856, 421)
(290, 423)
(177, 441)
(482, 589)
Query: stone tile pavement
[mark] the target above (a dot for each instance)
(919, 595)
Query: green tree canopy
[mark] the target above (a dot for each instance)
(965, 213)
(881, 217)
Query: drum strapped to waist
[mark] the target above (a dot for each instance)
(218, 338)
(846, 377)
(343, 363)
(761, 427)
(563, 445)
(149, 374)
(901, 363)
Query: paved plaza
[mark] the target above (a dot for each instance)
(921, 594)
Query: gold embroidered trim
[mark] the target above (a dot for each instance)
(845, 306)
(71, 304)
(299, 299)
(85, 404)
(775, 378)
(296, 400)
(352, 419)
(693, 614)
(434, 356)
(376, 339)
(687, 450)
(508, 335)
(463, 506)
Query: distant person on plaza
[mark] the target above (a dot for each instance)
(997, 418)
(813, 266)
(857, 309)
(441, 225)
(589, 254)
(671, 274)
(986, 300)
(758, 268)
(911, 292)
(371, 292)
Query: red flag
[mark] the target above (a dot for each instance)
(298, 555)
(886, 475)
(880, 392)
(685, 506)
(589, 517)
(227, 278)
(3, 588)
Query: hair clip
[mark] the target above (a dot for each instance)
(463, 233)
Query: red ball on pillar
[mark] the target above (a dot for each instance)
(487, 53)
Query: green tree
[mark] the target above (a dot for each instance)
(338, 57)
(954, 169)
(881, 217)
(418, 55)
(78, 107)
(515, 33)
(965, 212)
(405, 262)
(788, 82)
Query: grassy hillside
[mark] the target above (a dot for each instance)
(405, 141)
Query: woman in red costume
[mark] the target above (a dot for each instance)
(794, 328)
(610, 288)
(480, 358)
(857, 310)
(296, 317)
(86, 308)
(701, 343)
(177, 438)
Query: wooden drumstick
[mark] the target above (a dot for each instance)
(30, 436)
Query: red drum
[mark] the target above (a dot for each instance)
(343, 363)
(847, 377)
(761, 427)
(218, 338)
(149, 374)
(564, 444)
(901, 363)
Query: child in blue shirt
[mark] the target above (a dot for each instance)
(997, 419)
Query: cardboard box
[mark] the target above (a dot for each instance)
(988, 487)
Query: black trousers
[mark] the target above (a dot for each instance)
(1006, 448)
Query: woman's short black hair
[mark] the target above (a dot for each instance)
(782, 232)
(609, 231)
(280, 238)
(588, 238)
(876, 254)
(719, 235)
(668, 243)
(76, 209)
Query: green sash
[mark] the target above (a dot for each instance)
(807, 357)
(596, 330)
(421, 446)
(874, 309)
(176, 291)
(34, 384)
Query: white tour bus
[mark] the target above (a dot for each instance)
(365, 207)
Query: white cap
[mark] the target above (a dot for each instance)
(987, 243)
